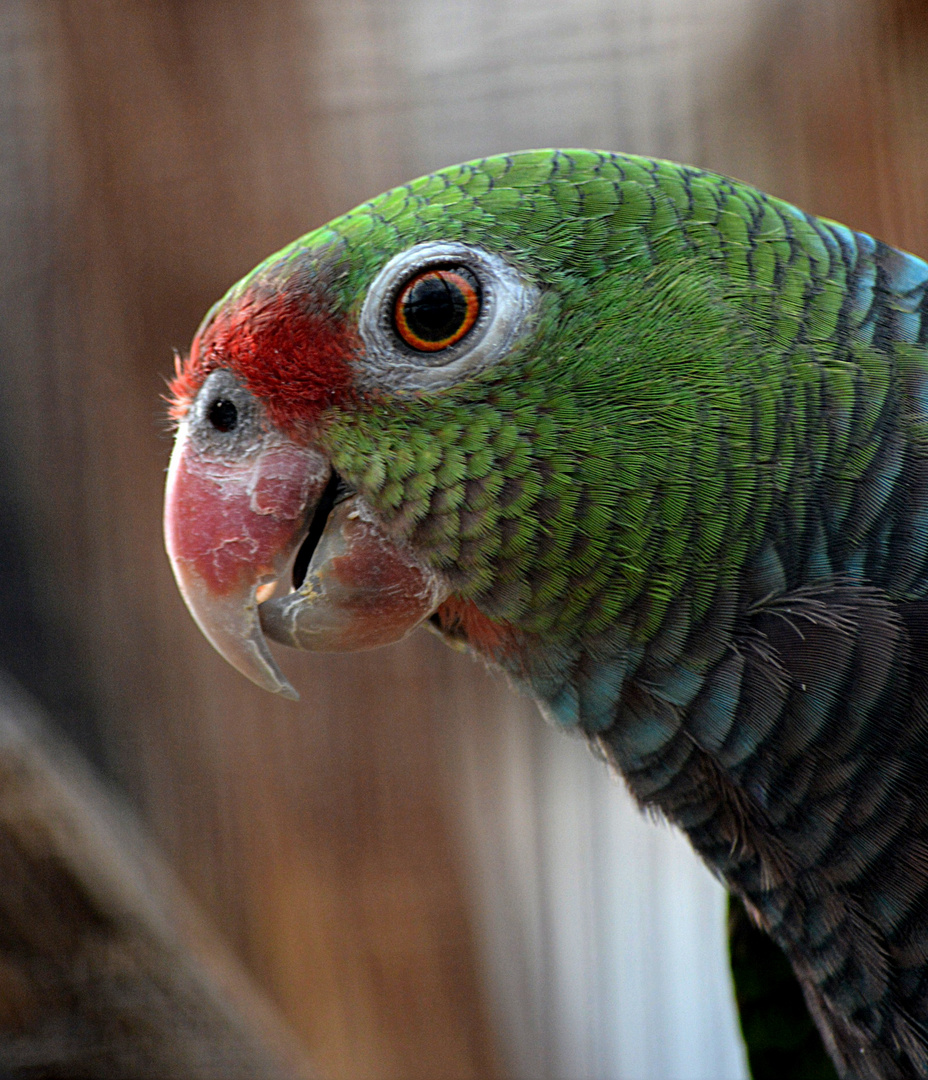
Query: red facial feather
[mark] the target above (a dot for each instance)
(295, 358)
(463, 619)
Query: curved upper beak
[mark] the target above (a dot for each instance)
(233, 528)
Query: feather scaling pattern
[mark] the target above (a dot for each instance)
(687, 510)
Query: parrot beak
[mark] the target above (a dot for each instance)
(233, 528)
(362, 589)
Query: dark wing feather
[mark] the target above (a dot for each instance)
(800, 773)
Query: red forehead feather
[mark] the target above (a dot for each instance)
(295, 359)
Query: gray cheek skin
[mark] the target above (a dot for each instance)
(251, 426)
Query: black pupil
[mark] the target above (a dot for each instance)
(435, 307)
(223, 414)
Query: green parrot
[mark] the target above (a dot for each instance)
(656, 445)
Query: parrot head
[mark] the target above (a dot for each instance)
(480, 400)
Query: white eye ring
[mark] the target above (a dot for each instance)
(506, 304)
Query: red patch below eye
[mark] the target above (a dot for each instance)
(295, 359)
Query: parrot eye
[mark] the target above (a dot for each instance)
(438, 312)
(225, 418)
(437, 307)
(223, 414)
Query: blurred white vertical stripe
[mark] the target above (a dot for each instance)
(602, 936)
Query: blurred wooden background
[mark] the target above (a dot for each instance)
(395, 860)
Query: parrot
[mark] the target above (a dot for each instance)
(654, 444)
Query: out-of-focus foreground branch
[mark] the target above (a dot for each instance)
(105, 969)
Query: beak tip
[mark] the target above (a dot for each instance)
(231, 625)
(287, 691)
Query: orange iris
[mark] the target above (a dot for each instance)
(437, 307)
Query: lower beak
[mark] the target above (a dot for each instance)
(234, 527)
(361, 590)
